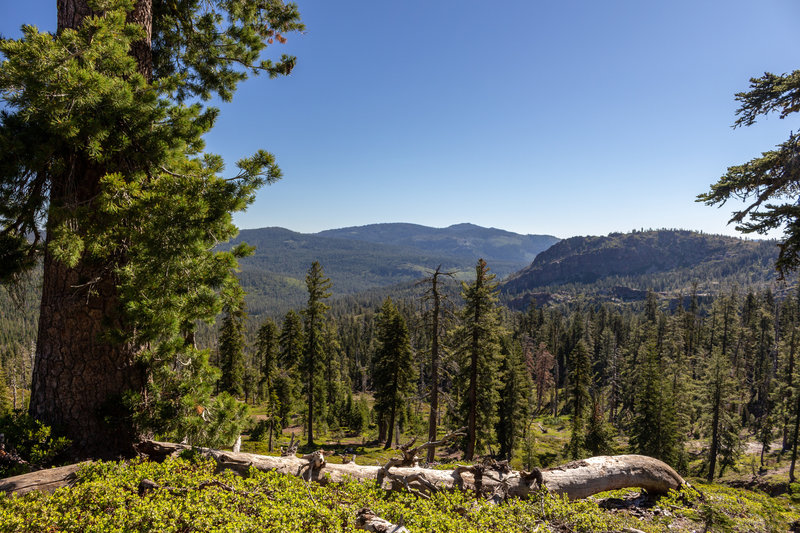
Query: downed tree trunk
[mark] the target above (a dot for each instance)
(492, 479)
(42, 480)
(577, 479)
(369, 521)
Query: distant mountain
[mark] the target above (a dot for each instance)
(625, 265)
(496, 246)
(370, 257)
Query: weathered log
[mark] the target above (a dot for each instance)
(578, 479)
(367, 520)
(42, 480)
(493, 480)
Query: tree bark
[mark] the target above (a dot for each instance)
(79, 378)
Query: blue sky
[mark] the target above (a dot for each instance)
(566, 118)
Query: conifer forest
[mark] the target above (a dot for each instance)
(160, 373)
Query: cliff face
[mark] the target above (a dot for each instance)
(590, 259)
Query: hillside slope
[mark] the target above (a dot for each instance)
(371, 257)
(461, 240)
(663, 260)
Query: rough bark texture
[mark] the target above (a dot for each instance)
(78, 378)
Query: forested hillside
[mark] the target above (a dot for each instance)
(370, 257)
(625, 265)
(469, 241)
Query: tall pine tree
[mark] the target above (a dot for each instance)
(394, 375)
(99, 147)
(479, 348)
(314, 347)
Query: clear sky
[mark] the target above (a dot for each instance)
(571, 117)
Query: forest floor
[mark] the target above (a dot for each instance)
(744, 490)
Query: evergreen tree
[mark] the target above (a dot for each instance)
(769, 183)
(232, 343)
(96, 139)
(5, 394)
(514, 406)
(599, 439)
(394, 367)
(654, 431)
(543, 367)
(266, 356)
(291, 340)
(580, 383)
(267, 360)
(722, 421)
(313, 349)
(479, 349)
(290, 358)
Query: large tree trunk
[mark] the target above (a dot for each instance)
(79, 378)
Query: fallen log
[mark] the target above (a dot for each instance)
(492, 479)
(42, 480)
(367, 520)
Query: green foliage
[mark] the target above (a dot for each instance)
(394, 373)
(107, 499)
(232, 343)
(581, 380)
(514, 406)
(767, 184)
(108, 155)
(314, 354)
(31, 440)
(655, 429)
(477, 341)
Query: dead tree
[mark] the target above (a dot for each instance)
(493, 480)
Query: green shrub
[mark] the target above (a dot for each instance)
(32, 441)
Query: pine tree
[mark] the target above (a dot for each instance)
(291, 340)
(654, 431)
(580, 384)
(514, 406)
(543, 367)
(722, 422)
(290, 358)
(5, 393)
(232, 344)
(599, 438)
(478, 350)
(768, 184)
(314, 349)
(97, 140)
(394, 367)
(267, 361)
(266, 356)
